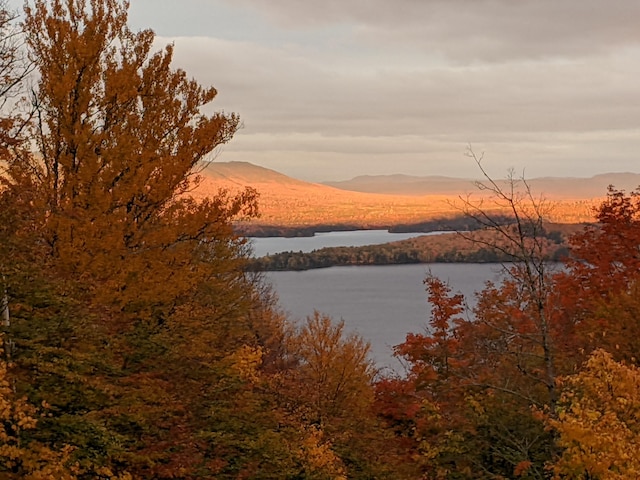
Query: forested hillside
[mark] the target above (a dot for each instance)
(136, 343)
(290, 207)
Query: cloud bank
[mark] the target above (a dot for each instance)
(333, 89)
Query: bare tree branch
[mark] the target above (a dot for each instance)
(521, 241)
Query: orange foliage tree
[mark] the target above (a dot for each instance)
(482, 375)
(328, 391)
(600, 287)
(128, 298)
(120, 138)
(475, 385)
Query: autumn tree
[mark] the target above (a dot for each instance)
(131, 313)
(597, 421)
(335, 373)
(512, 345)
(327, 391)
(433, 356)
(606, 252)
(14, 68)
(335, 367)
(474, 379)
(120, 139)
(529, 310)
(425, 408)
(600, 286)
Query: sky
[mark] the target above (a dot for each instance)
(332, 89)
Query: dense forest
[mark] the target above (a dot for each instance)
(138, 344)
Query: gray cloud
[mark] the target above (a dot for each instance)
(279, 90)
(471, 30)
(338, 88)
(308, 110)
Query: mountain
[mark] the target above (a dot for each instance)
(285, 201)
(384, 201)
(552, 187)
(245, 173)
(405, 185)
(235, 176)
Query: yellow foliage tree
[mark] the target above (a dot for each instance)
(327, 393)
(334, 368)
(20, 458)
(598, 421)
(319, 459)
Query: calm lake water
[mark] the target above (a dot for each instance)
(358, 238)
(381, 303)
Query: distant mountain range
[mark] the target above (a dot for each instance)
(387, 200)
(552, 187)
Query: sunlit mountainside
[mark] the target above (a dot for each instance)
(286, 201)
(382, 201)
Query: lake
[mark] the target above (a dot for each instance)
(269, 245)
(381, 303)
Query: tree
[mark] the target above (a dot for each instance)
(129, 298)
(120, 138)
(510, 348)
(334, 367)
(480, 377)
(327, 390)
(606, 253)
(528, 278)
(597, 421)
(433, 356)
(14, 68)
(426, 408)
(601, 283)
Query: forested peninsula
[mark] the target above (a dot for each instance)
(479, 246)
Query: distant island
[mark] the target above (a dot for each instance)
(466, 247)
(453, 223)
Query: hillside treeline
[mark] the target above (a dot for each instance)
(480, 246)
(136, 344)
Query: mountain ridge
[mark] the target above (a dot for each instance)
(286, 201)
(242, 173)
(562, 187)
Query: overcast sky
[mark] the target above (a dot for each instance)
(332, 89)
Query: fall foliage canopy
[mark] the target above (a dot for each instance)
(136, 343)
